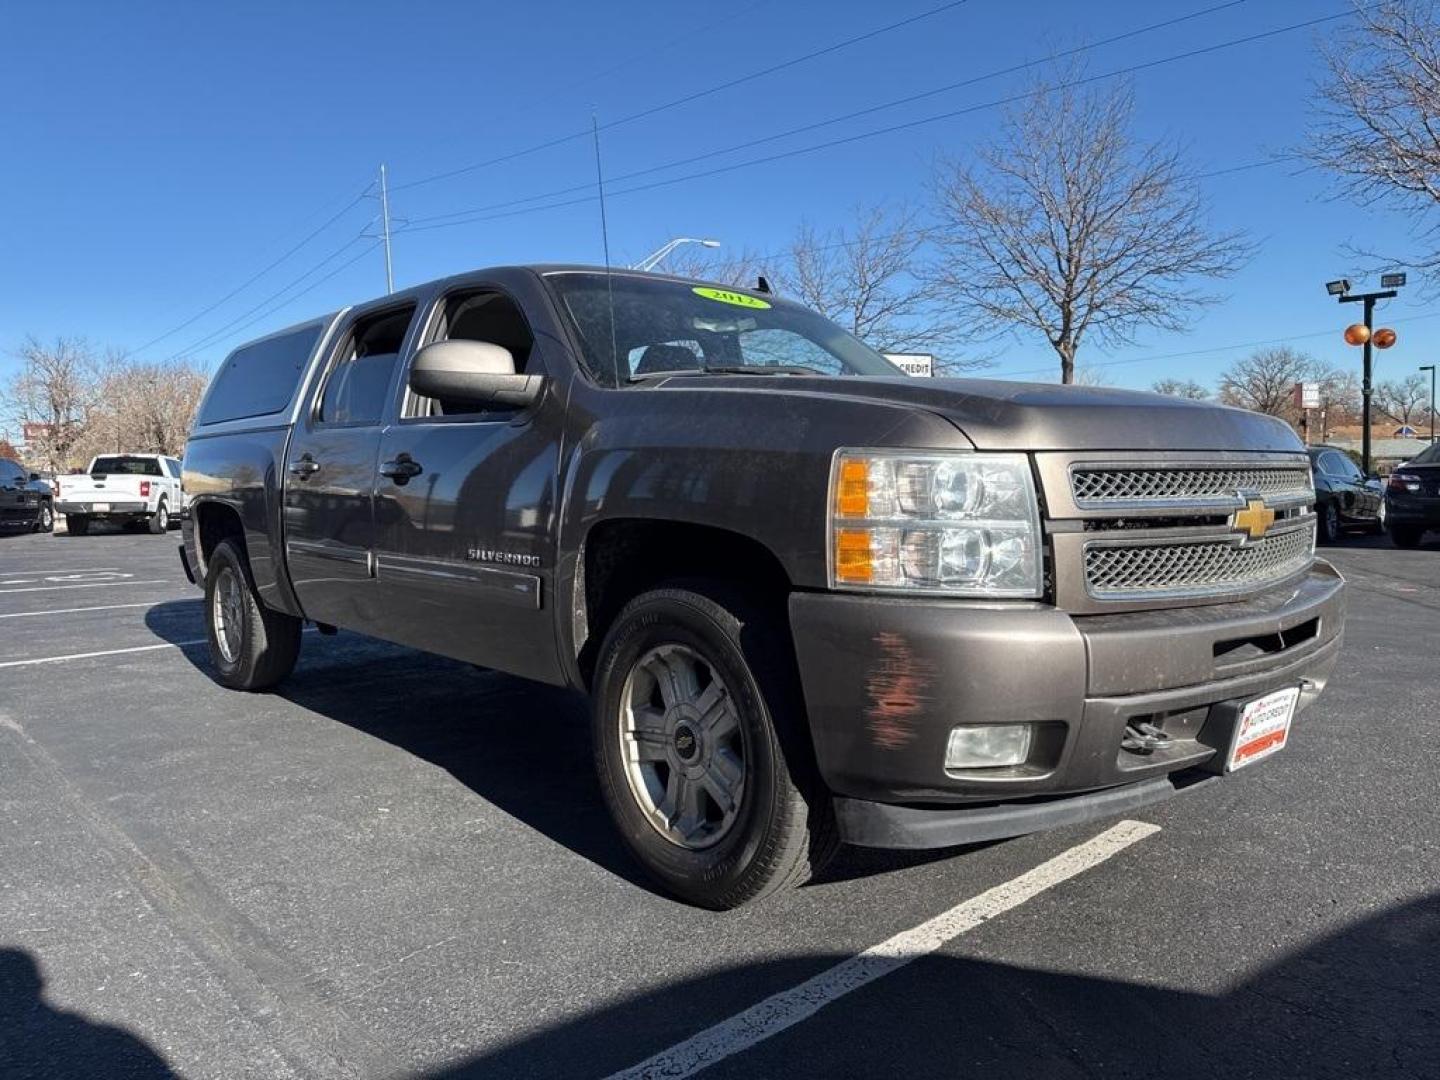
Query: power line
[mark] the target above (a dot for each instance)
(906, 125)
(253, 277)
(687, 99)
(220, 333)
(830, 121)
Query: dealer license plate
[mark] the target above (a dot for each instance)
(1263, 729)
(101, 508)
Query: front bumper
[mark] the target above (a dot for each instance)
(886, 679)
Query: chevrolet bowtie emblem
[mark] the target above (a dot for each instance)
(1255, 519)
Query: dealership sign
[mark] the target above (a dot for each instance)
(920, 365)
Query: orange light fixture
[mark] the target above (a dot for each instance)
(1384, 338)
(853, 562)
(852, 493)
(1357, 334)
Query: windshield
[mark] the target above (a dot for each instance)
(136, 466)
(672, 327)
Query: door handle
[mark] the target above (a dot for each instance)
(401, 469)
(305, 468)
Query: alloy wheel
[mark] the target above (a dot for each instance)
(228, 613)
(683, 746)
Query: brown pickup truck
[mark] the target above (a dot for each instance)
(812, 599)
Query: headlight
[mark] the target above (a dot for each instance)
(953, 523)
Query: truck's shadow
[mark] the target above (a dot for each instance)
(1362, 1003)
(522, 746)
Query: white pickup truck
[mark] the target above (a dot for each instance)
(123, 488)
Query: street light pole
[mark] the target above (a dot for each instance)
(656, 257)
(1431, 368)
(1366, 389)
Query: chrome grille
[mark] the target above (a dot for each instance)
(1211, 566)
(1103, 487)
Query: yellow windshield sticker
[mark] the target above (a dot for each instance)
(725, 296)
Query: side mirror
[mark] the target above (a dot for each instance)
(34, 476)
(472, 373)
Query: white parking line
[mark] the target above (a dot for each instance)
(68, 570)
(94, 585)
(102, 652)
(114, 652)
(101, 607)
(789, 1007)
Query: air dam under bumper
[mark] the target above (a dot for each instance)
(885, 679)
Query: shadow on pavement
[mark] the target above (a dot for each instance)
(38, 1040)
(522, 746)
(1361, 1003)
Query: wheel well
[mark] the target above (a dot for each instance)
(215, 522)
(625, 557)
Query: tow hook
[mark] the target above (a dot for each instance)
(1143, 738)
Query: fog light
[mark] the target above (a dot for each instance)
(988, 746)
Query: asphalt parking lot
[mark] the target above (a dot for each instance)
(399, 866)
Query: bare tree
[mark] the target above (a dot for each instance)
(1265, 381)
(1339, 397)
(54, 389)
(1185, 388)
(1070, 227)
(143, 407)
(1377, 122)
(1406, 400)
(742, 267)
(868, 279)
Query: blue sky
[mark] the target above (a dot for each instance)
(157, 156)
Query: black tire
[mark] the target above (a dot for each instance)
(266, 643)
(45, 518)
(159, 522)
(1406, 536)
(1329, 524)
(77, 524)
(783, 828)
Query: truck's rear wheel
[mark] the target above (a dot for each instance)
(701, 751)
(160, 520)
(251, 646)
(77, 524)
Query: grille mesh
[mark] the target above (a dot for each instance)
(1170, 568)
(1103, 487)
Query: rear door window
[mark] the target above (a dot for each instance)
(259, 379)
(359, 379)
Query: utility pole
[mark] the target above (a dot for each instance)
(390, 273)
(1431, 368)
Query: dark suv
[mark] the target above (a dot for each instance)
(26, 501)
(1412, 498)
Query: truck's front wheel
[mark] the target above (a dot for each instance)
(701, 750)
(251, 646)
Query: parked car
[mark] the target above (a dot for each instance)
(1345, 498)
(26, 502)
(128, 489)
(1412, 498)
(812, 599)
